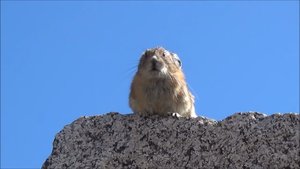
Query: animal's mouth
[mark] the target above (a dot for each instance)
(158, 72)
(154, 69)
(155, 66)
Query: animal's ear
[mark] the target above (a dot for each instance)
(176, 60)
(145, 52)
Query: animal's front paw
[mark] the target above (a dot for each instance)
(176, 115)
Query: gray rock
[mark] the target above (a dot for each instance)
(243, 140)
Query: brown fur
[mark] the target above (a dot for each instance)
(160, 87)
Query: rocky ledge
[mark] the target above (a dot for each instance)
(243, 140)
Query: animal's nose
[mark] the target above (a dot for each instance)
(154, 62)
(154, 57)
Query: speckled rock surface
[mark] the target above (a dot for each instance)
(243, 140)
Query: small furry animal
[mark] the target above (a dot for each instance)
(159, 86)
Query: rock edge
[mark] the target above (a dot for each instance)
(243, 140)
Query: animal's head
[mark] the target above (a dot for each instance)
(159, 63)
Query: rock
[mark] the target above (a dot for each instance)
(243, 140)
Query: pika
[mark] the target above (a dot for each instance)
(159, 86)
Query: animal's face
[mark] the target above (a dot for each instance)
(158, 62)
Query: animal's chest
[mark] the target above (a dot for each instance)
(159, 100)
(156, 93)
(160, 97)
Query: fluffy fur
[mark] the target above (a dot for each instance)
(159, 86)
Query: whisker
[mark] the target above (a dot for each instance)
(131, 70)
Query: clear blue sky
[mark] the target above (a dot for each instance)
(63, 60)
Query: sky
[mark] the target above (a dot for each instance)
(64, 60)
